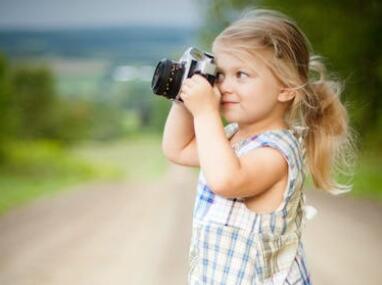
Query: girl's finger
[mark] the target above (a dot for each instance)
(185, 97)
(185, 88)
(188, 82)
(198, 77)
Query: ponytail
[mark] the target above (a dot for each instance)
(329, 144)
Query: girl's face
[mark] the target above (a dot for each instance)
(249, 89)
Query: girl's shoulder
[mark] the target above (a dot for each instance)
(293, 137)
(287, 141)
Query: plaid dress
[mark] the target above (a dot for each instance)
(231, 244)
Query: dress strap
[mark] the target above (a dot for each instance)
(231, 129)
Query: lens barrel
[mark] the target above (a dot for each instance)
(167, 78)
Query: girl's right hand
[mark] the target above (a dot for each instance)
(199, 96)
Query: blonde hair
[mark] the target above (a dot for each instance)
(316, 105)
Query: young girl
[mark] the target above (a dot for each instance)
(249, 208)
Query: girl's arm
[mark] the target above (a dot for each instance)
(227, 174)
(178, 143)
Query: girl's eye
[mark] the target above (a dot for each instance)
(241, 74)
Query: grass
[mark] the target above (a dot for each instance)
(139, 157)
(368, 177)
(44, 168)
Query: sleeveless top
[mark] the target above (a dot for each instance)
(232, 244)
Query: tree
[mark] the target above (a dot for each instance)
(34, 102)
(5, 106)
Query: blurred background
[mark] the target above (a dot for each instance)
(81, 168)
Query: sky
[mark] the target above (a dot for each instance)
(90, 13)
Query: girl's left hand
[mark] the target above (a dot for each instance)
(199, 96)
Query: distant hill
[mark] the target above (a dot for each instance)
(126, 45)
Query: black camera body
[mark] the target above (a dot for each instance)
(169, 75)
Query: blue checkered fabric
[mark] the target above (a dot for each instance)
(232, 244)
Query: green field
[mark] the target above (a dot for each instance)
(45, 168)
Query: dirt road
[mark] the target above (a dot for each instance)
(139, 234)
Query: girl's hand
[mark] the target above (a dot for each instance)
(199, 96)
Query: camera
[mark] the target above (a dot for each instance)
(169, 75)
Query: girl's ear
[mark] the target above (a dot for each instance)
(286, 94)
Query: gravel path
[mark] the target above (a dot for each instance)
(139, 234)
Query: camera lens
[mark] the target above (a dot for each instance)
(167, 78)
